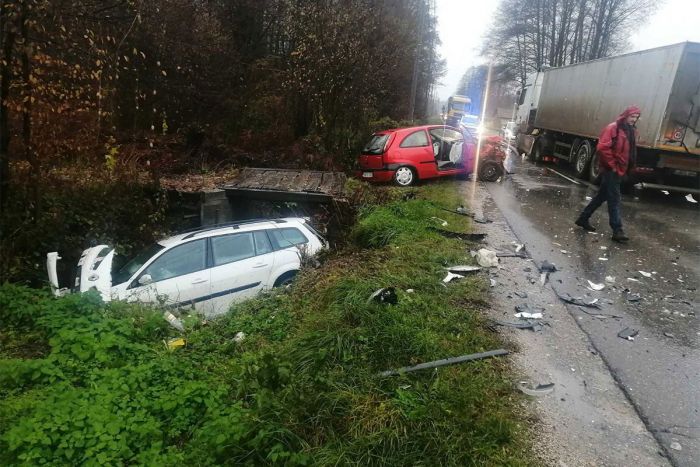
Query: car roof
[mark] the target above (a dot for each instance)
(230, 227)
(413, 128)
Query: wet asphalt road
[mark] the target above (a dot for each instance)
(660, 370)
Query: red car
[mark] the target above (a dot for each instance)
(406, 155)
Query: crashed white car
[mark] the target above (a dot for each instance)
(207, 269)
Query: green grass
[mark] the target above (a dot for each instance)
(302, 388)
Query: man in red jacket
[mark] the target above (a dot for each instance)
(617, 153)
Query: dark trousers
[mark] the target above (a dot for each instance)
(609, 191)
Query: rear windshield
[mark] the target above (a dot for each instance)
(470, 120)
(376, 144)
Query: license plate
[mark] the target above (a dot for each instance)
(366, 174)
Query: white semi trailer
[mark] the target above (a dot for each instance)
(563, 110)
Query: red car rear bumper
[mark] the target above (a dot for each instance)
(375, 175)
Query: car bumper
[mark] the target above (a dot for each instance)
(375, 175)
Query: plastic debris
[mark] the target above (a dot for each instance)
(628, 333)
(443, 222)
(645, 274)
(540, 390)
(471, 237)
(239, 337)
(463, 269)
(632, 279)
(676, 446)
(578, 301)
(493, 282)
(384, 295)
(174, 321)
(535, 325)
(602, 258)
(486, 258)
(174, 343)
(518, 246)
(610, 279)
(450, 277)
(410, 290)
(446, 361)
(527, 315)
(526, 308)
(546, 266)
(690, 198)
(595, 286)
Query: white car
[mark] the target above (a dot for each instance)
(207, 269)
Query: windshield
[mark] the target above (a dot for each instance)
(470, 120)
(376, 144)
(458, 106)
(128, 270)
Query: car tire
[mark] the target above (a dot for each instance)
(490, 171)
(582, 162)
(536, 152)
(285, 280)
(405, 176)
(594, 170)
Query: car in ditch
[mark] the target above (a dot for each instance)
(206, 269)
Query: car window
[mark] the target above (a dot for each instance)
(286, 237)
(415, 139)
(229, 248)
(130, 268)
(376, 144)
(183, 259)
(445, 134)
(262, 243)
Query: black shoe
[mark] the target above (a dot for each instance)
(584, 224)
(619, 236)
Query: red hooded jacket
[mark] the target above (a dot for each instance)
(613, 146)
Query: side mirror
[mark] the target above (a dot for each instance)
(145, 279)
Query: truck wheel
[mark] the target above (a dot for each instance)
(490, 171)
(583, 159)
(594, 170)
(536, 153)
(405, 176)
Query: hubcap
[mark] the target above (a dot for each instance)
(404, 176)
(582, 159)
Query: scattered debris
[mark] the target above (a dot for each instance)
(487, 258)
(471, 237)
(523, 324)
(174, 343)
(546, 266)
(520, 294)
(410, 290)
(628, 333)
(599, 315)
(481, 220)
(610, 279)
(690, 198)
(578, 301)
(540, 390)
(239, 337)
(602, 258)
(446, 361)
(527, 309)
(595, 286)
(384, 295)
(632, 279)
(668, 334)
(633, 297)
(443, 222)
(174, 321)
(493, 282)
(645, 274)
(526, 315)
(518, 246)
(450, 277)
(463, 269)
(461, 210)
(665, 192)
(676, 446)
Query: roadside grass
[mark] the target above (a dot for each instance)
(302, 387)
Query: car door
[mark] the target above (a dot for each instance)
(241, 265)
(178, 278)
(417, 150)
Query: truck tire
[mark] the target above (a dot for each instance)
(582, 162)
(536, 153)
(594, 170)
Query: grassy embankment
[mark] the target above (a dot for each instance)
(85, 382)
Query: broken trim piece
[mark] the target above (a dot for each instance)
(446, 361)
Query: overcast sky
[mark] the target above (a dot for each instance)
(462, 24)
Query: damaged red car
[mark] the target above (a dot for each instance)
(406, 155)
